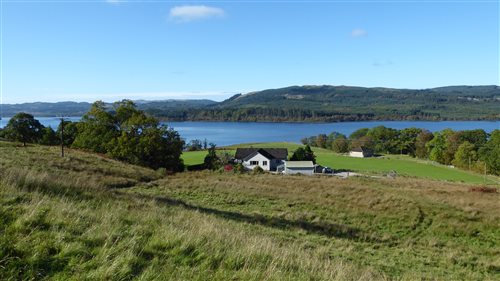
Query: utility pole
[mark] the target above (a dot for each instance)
(484, 173)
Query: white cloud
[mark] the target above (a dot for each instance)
(358, 32)
(113, 1)
(192, 13)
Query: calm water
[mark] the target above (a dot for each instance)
(227, 133)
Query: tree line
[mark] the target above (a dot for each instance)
(275, 114)
(468, 149)
(124, 133)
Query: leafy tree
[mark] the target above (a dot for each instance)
(298, 155)
(205, 145)
(441, 147)
(406, 142)
(465, 156)
(340, 145)
(385, 139)
(359, 133)
(335, 135)
(225, 158)
(332, 137)
(309, 141)
(143, 141)
(211, 160)
(421, 148)
(23, 127)
(321, 140)
(194, 145)
(128, 134)
(309, 154)
(437, 147)
(453, 141)
(363, 142)
(70, 132)
(96, 129)
(490, 153)
(303, 154)
(476, 137)
(49, 137)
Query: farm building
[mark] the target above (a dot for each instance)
(299, 167)
(267, 158)
(361, 152)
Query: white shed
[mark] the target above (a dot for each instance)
(361, 153)
(299, 167)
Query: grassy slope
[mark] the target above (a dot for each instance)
(403, 165)
(63, 218)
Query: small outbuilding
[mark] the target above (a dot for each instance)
(299, 167)
(361, 152)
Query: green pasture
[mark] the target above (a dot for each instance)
(402, 164)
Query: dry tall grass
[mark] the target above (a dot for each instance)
(88, 217)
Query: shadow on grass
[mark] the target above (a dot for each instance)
(326, 229)
(344, 171)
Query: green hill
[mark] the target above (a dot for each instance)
(313, 104)
(339, 103)
(88, 217)
(69, 108)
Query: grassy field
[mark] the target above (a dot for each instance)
(88, 217)
(403, 165)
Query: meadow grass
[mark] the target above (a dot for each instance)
(402, 164)
(89, 217)
(193, 157)
(68, 219)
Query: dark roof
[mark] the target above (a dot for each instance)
(270, 153)
(361, 149)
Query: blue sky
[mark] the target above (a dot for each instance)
(110, 50)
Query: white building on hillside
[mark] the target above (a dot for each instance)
(361, 152)
(266, 158)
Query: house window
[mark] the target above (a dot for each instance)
(264, 163)
(254, 162)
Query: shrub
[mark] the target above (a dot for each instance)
(239, 168)
(161, 172)
(228, 168)
(483, 189)
(258, 170)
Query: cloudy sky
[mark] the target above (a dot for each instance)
(110, 50)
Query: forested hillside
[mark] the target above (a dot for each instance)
(70, 108)
(313, 104)
(342, 103)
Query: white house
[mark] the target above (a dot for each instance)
(361, 152)
(267, 158)
(299, 167)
